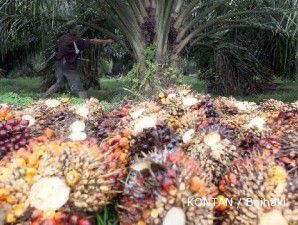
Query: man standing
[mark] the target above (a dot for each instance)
(68, 48)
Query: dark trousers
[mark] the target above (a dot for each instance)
(64, 75)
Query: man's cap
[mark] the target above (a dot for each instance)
(73, 25)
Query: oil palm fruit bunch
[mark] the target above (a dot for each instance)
(249, 130)
(14, 132)
(67, 121)
(184, 110)
(292, 197)
(59, 176)
(231, 106)
(271, 105)
(155, 138)
(90, 110)
(11, 108)
(101, 126)
(119, 144)
(213, 148)
(159, 187)
(288, 153)
(258, 187)
(44, 114)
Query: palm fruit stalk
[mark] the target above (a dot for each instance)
(158, 188)
(14, 132)
(258, 187)
(60, 176)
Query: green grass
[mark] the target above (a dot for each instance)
(24, 91)
(287, 91)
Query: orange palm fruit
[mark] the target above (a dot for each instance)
(221, 203)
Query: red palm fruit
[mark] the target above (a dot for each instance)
(49, 222)
(3, 133)
(23, 142)
(36, 223)
(8, 127)
(60, 218)
(36, 214)
(12, 121)
(84, 222)
(74, 220)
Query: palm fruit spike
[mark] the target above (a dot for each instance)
(14, 133)
(58, 175)
(258, 188)
(158, 189)
(213, 150)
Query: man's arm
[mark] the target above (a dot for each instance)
(96, 41)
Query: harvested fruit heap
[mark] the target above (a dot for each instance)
(57, 175)
(158, 189)
(65, 120)
(14, 133)
(177, 145)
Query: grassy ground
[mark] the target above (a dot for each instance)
(24, 91)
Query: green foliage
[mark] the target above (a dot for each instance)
(137, 77)
(107, 217)
(150, 53)
(15, 99)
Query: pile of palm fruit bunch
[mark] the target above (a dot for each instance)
(178, 158)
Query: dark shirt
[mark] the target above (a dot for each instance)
(66, 51)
